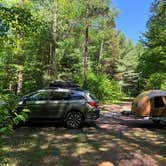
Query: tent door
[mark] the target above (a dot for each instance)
(158, 107)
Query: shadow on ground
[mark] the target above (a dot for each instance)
(114, 143)
(115, 140)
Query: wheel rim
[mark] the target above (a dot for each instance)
(74, 120)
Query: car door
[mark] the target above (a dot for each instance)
(38, 104)
(58, 103)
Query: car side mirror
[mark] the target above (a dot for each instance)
(25, 100)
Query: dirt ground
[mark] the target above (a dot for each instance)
(139, 133)
(115, 140)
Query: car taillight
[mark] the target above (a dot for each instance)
(92, 103)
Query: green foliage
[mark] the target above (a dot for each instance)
(29, 86)
(154, 59)
(152, 63)
(163, 86)
(25, 42)
(156, 80)
(127, 72)
(9, 116)
(103, 88)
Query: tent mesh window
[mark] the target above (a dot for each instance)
(158, 102)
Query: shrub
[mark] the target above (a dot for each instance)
(9, 117)
(163, 86)
(103, 88)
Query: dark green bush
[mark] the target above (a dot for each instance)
(106, 90)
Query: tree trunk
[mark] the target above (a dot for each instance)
(85, 67)
(21, 3)
(100, 55)
(20, 73)
(53, 64)
(20, 80)
(10, 86)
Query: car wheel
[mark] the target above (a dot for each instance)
(74, 119)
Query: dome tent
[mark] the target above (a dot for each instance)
(150, 104)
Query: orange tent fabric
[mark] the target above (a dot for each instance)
(150, 103)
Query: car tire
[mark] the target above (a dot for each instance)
(74, 119)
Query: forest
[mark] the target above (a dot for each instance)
(46, 40)
(42, 41)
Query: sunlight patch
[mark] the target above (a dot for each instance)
(106, 163)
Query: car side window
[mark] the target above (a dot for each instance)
(59, 96)
(39, 96)
(158, 102)
(76, 96)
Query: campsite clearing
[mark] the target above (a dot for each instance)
(114, 140)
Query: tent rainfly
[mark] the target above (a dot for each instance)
(150, 104)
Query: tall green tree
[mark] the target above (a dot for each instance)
(53, 41)
(127, 66)
(154, 59)
(19, 23)
(102, 34)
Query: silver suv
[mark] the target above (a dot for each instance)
(73, 106)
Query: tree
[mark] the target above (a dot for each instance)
(19, 23)
(45, 41)
(101, 35)
(53, 59)
(127, 66)
(154, 59)
(86, 42)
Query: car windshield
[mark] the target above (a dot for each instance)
(28, 95)
(43, 95)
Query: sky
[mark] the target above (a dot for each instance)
(133, 17)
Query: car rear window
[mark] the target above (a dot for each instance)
(92, 97)
(76, 96)
(59, 96)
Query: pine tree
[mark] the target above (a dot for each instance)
(153, 61)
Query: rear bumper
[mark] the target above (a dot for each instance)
(93, 115)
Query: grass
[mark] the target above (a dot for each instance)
(104, 144)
